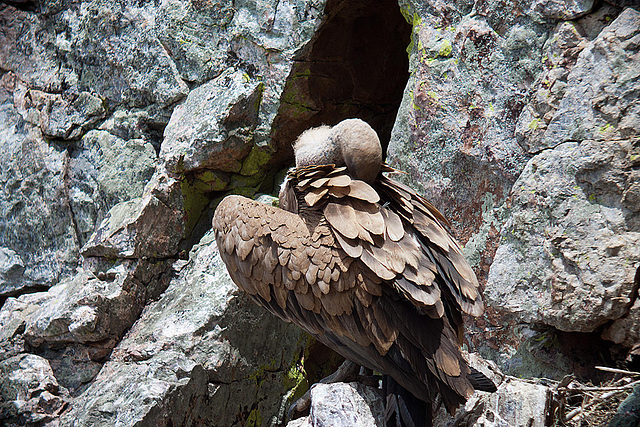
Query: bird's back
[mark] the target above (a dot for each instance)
(369, 269)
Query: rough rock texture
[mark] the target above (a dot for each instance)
(33, 195)
(213, 128)
(122, 123)
(519, 121)
(343, 405)
(29, 392)
(516, 403)
(202, 353)
(128, 230)
(569, 251)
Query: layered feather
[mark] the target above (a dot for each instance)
(369, 269)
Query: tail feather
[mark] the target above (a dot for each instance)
(481, 382)
(402, 408)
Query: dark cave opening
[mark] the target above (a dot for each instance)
(355, 66)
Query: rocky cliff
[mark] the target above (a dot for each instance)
(122, 123)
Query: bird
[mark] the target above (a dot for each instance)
(364, 264)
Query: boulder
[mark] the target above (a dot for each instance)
(85, 309)
(214, 127)
(626, 329)
(569, 251)
(130, 228)
(516, 403)
(627, 414)
(28, 48)
(14, 314)
(201, 353)
(566, 10)
(47, 184)
(29, 392)
(343, 405)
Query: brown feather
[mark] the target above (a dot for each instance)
(342, 218)
(314, 196)
(364, 267)
(363, 191)
(393, 224)
(376, 267)
(368, 216)
(317, 183)
(340, 181)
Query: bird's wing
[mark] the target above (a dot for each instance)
(300, 275)
(352, 272)
(431, 229)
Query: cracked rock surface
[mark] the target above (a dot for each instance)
(520, 121)
(123, 123)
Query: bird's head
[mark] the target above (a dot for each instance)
(351, 143)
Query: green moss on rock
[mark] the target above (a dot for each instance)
(252, 164)
(194, 203)
(209, 180)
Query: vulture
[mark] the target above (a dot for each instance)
(362, 263)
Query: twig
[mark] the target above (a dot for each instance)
(594, 402)
(618, 371)
(584, 389)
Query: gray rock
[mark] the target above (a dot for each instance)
(45, 185)
(28, 49)
(516, 403)
(86, 309)
(57, 116)
(123, 167)
(343, 405)
(14, 315)
(130, 228)
(561, 9)
(36, 221)
(626, 329)
(214, 127)
(600, 97)
(197, 35)
(561, 53)
(569, 251)
(201, 353)
(123, 62)
(29, 392)
(106, 170)
(454, 134)
(146, 124)
(11, 267)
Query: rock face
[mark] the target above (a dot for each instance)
(29, 390)
(123, 123)
(569, 252)
(119, 123)
(202, 353)
(519, 122)
(343, 405)
(213, 128)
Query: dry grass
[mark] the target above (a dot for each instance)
(585, 405)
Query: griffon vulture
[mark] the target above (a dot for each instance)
(361, 262)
